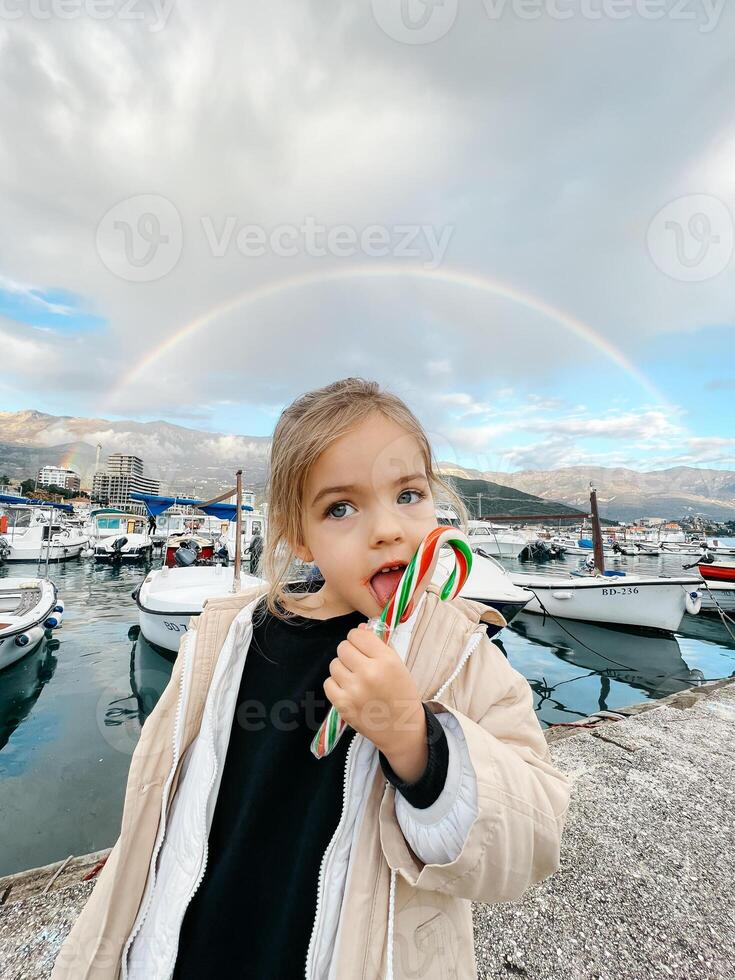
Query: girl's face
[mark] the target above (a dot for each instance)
(367, 505)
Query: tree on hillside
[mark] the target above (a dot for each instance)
(27, 486)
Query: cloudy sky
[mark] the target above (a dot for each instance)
(518, 215)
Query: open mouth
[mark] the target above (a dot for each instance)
(385, 581)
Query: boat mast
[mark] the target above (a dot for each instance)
(596, 532)
(238, 533)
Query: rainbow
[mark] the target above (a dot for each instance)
(465, 280)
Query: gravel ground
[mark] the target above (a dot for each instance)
(646, 888)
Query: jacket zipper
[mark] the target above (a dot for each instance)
(326, 855)
(159, 842)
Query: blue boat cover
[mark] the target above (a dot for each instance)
(155, 505)
(8, 498)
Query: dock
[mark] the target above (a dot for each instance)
(646, 886)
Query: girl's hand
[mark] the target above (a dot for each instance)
(373, 691)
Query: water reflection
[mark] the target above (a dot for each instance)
(651, 663)
(148, 675)
(22, 684)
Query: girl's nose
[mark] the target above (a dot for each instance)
(386, 529)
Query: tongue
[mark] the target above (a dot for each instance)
(385, 584)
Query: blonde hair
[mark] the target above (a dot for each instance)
(304, 431)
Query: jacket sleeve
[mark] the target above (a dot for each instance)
(437, 833)
(514, 836)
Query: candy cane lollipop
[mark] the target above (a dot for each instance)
(416, 577)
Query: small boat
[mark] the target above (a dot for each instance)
(496, 541)
(184, 550)
(118, 537)
(649, 602)
(168, 597)
(717, 571)
(541, 550)
(718, 597)
(36, 532)
(27, 608)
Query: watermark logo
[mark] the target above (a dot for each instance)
(691, 239)
(415, 21)
(140, 239)
(153, 13)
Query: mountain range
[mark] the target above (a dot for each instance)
(195, 462)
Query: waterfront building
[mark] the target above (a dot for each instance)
(122, 475)
(57, 476)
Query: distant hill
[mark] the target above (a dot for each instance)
(196, 461)
(625, 494)
(485, 499)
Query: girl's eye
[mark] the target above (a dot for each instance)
(338, 507)
(419, 494)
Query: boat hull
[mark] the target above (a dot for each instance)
(169, 597)
(36, 553)
(718, 597)
(654, 604)
(719, 572)
(23, 619)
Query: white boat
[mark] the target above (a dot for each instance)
(624, 600)
(496, 541)
(118, 537)
(718, 596)
(583, 546)
(488, 582)
(36, 532)
(168, 598)
(27, 608)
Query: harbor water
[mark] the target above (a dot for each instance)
(71, 712)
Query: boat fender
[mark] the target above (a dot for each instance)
(59, 607)
(30, 637)
(693, 603)
(53, 622)
(562, 595)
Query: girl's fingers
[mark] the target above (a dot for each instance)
(349, 655)
(339, 672)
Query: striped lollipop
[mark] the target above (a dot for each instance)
(416, 577)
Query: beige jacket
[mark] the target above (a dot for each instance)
(398, 917)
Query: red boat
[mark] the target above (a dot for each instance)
(717, 571)
(199, 550)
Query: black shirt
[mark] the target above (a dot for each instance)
(277, 808)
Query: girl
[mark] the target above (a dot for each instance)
(240, 853)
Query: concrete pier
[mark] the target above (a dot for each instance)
(646, 887)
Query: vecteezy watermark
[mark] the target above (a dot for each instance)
(691, 239)
(426, 21)
(415, 21)
(309, 237)
(141, 239)
(153, 13)
(706, 13)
